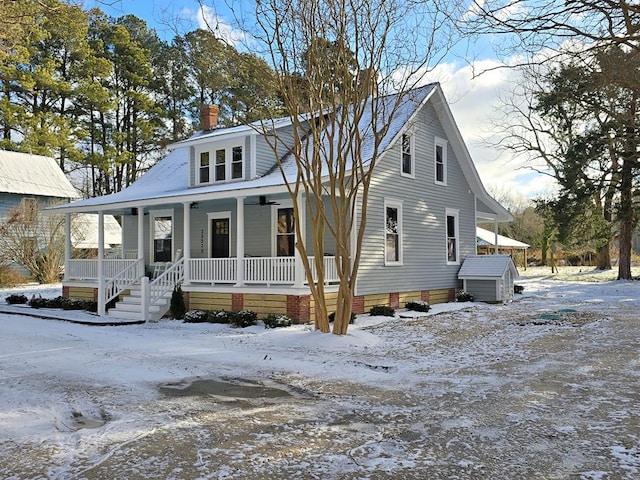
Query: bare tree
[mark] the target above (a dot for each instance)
(34, 240)
(332, 59)
(534, 25)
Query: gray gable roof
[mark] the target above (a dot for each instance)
(27, 174)
(167, 180)
(486, 266)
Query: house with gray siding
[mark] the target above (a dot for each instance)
(28, 182)
(215, 215)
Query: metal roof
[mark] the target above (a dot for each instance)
(27, 174)
(486, 266)
(487, 238)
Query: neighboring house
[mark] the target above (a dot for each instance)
(488, 240)
(29, 183)
(28, 180)
(216, 216)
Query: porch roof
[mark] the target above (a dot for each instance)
(166, 182)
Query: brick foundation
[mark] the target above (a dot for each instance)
(394, 300)
(299, 308)
(357, 306)
(237, 302)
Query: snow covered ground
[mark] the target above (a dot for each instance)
(544, 387)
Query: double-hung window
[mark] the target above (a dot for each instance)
(452, 236)
(407, 155)
(393, 232)
(440, 157)
(285, 232)
(204, 167)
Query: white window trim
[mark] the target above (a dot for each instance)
(228, 167)
(217, 216)
(274, 224)
(153, 214)
(440, 142)
(412, 149)
(455, 213)
(397, 204)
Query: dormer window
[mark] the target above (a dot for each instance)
(221, 164)
(221, 158)
(204, 167)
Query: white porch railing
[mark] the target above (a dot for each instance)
(213, 270)
(330, 270)
(280, 270)
(87, 269)
(165, 282)
(257, 270)
(123, 280)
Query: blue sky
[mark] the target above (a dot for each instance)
(473, 100)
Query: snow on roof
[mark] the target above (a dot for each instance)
(486, 266)
(409, 103)
(167, 180)
(27, 174)
(84, 231)
(488, 238)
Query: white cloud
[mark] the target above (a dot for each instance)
(208, 18)
(476, 94)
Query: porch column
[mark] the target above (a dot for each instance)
(299, 276)
(186, 246)
(140, 254)
(67, 244)
(495, 232)
(101, 304)
(239, 241)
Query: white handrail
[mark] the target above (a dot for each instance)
(165, 282)
(123, 280)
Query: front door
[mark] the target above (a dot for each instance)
(220, 238)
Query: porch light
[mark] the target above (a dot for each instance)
(193, 206)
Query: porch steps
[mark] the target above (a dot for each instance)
(130, 306)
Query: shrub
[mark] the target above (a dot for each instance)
(195, 316)
(71, 303)
(218, 316)
(418, 306)
(178, 308)
(382, 310)
(332, 317)
(38, 302)
(462, 296)
(17, 299)
(277, 320)
(518, 289)
(244, 318)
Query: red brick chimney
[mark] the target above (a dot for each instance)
(209, 117)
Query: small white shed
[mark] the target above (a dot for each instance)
(489, 278)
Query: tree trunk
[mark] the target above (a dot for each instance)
(624, 259)
(603, 261)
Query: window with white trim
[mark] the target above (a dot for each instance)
(221, 164)
(440, 160)
(204, 167)
(452, 236)
(285, 232)
(393, 232)
(161, 235)
(407, 158)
